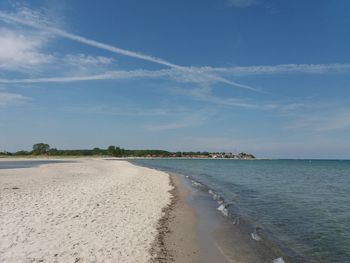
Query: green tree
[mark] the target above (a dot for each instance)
(96, 151)
(111, 150)
(54, 151)
(118, 151)
(40, 148)
(178, 154)
(22, 153)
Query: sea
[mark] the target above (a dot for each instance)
(300, 206)
(26, 163)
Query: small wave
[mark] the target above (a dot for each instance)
(222, 208)
(216, 197)
(198, 185)
(236, 221)
(255, 236)
(232, 212)
(194, 183)
(278, 260)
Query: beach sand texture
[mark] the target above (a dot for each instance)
(83, 211)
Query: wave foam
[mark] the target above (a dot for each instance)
(278, 260)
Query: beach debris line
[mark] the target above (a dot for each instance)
(13, 188)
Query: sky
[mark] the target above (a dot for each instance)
(267, 77)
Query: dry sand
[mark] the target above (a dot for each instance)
(82, 211)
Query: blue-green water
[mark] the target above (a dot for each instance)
(304, 205)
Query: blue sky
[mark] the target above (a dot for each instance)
(267, 77)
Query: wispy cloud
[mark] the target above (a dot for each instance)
(31, 21)
(174, 74)
(194, 75)
(22, 51)
(205, 94)
(242, 3)
(12, 99)
(25, 51)
(83, 60)
(36, 21)
(115, 75)
(19, 48)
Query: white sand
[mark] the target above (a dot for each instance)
(88, 211)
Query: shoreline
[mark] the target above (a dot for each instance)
(218, 238)
(190, 232)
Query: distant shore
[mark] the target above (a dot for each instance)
(43, 157)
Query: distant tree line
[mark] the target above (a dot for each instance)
(45, 149)
(115, 151)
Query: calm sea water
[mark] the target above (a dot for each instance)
(25, 164)
(305, 205)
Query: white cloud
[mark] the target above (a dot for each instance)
(204, 94)
(11, 99)
(82, 59)
(70, 64)
(242, 3)
(32, 21)
(21, 51)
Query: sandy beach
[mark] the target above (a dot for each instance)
(82, 211)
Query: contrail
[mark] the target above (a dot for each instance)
(117, 50)
(89, 42)
(236, 84)
(121, 74)
(103, 76)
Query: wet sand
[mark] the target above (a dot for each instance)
(197, 232)
(177, 240)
